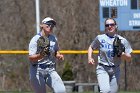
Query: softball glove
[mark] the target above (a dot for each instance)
(43, 46)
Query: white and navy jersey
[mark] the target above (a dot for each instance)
(53, 48)
(104, 44)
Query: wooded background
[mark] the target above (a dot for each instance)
(77, 25)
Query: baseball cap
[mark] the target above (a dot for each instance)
(49, 21)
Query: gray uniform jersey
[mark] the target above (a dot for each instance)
(43, 71)
(108, 72)
(104, 44)
(53, 48)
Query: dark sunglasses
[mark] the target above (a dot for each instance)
(51, 25)
(107, 25)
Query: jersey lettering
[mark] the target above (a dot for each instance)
(107, 47)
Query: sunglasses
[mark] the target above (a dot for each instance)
(107, 25)
(51, 25)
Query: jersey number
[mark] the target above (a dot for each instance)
(110, 53)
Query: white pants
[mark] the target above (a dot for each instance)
(108, 82)
(40, 77)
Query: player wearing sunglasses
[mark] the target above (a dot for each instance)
(108, 65)
(42, 66)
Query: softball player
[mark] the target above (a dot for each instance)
(42, 69)
(108, 67)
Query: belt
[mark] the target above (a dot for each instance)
(44, 66)
(100, 64)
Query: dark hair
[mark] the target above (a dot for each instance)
(111, 19)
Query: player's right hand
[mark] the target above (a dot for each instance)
(91, 61)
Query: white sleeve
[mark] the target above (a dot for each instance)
(33, 46)
(127, 45)
(95, 44)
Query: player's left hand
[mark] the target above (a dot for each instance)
(60, 56)
(126, 57)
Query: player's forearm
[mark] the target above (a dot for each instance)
(127, 57)
(90, 50)
(35, 57)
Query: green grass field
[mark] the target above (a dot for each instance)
(51, 92)
(129, 92)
